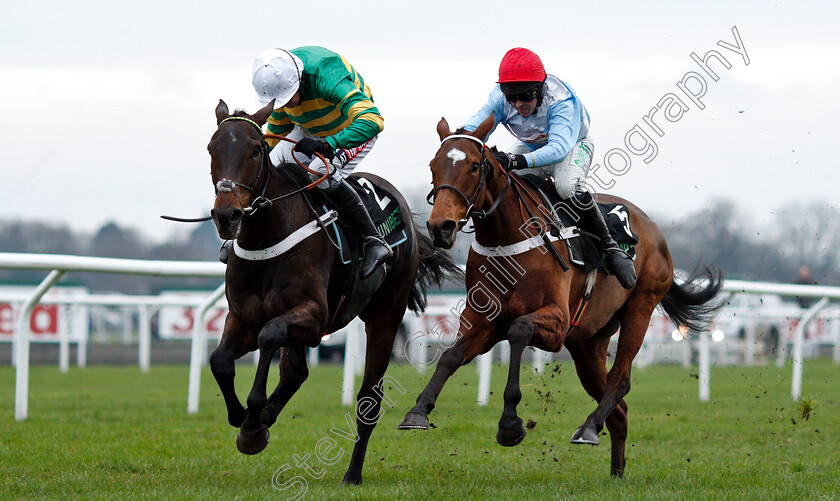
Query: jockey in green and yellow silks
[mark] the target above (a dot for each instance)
(324, 104)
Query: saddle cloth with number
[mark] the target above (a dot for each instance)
(585, 250)
(384, 211)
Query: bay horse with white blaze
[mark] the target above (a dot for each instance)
(287, 286)
(537, 309)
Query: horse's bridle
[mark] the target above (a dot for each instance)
(470, 202)
(227, 185)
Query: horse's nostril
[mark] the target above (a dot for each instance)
(227, 217)
(448, 228)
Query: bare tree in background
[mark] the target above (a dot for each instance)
(724, 236)
(808, 234)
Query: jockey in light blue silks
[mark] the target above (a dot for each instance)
(552, 127)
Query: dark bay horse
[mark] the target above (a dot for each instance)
(286, 300)
(537, 308)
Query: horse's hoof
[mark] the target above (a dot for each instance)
(509, 437)
(252, 441)
(414, 421)
(585, 435)
(351, 480)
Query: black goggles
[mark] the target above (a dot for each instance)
(528, 95)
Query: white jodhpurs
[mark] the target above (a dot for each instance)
(570, 173)
(341, 166)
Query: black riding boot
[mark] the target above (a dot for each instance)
(616, 261)
(351, 206)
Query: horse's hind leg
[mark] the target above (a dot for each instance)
(380, 334)
(236, 341)
(591, 364)
(634, 323)
(466, 348)
(293, 372)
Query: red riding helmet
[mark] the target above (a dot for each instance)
(521, 65)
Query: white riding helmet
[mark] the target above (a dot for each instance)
(276, 76)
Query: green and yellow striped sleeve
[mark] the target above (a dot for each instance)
(280, 124)
(358, 108)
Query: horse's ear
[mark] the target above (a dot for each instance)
(221, 112)
(261, 116)
(443, 129)
(486, 126)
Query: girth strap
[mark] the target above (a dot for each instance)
(297, 236)
(584, 299)
(525, 245)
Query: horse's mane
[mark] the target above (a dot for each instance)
(461, 130)
(240, 113)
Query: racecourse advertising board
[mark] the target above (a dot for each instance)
(49, 321)
(176, 322)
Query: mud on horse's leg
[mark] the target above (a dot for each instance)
(511, 432)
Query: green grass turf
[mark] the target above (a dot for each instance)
(113, 432)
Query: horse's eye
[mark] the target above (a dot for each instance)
(256, 152)
(474, 167)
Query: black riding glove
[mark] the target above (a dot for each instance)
(309, 145)
(511, 161)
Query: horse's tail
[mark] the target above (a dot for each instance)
(436, 266)
(691, 303)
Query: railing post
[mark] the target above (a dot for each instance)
(540, 360)
(750, 348)
(81, 345)
(144, 337)
(485, 366)
(352, 350)
(63, 349)
(312, 355)
(199, 337)
(361, 347)
(705, 365)
(22, 344)
(835, 356)
(687, 351)
(798, 341)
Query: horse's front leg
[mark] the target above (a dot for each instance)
(293, 372)
(478, 340)
(545, 321)
(237, 340)
(298, 326)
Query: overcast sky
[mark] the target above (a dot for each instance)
(107, 107)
